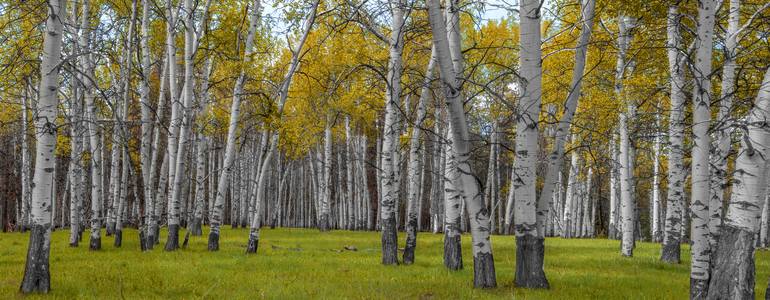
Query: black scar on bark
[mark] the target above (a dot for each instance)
(453, 255)
(95, 243)
(733, 273)
(484, 271)
(186, 239)
(213, 241)
(195, 228)
(143, 241)
(118, 238)
(110, 229)
(149, 242)
(411, 242)
(74, 244)
(37, 276)
(671, 252)
(323, 223)
(698, 288)
(172, 242)
(389, 241)
(530, 253)
(156, 235)
(253, 244)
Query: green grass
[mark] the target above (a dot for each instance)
(299, 263)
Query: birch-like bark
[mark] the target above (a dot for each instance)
(627, 203)
(175, 121)
(415, 166)
(224, 177)
(530, 247)
(569, 202)
(146, 150)
(700, 234)
(391, 129)
(484, 269)
(721, 149)
(253, 243)
(556, 157)
(37, 277)
(733, 274)
(614, 188)
(26, 165)
(657, 231)
(158, 175)
(670, 251)
(201, 157)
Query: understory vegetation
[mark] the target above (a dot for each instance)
(305, 263)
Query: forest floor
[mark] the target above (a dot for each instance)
(304, 263)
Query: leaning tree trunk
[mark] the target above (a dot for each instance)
(415, 165)
(224, 177)
(733, 276)
(556, 157)
(37, 276)
(484, 268)
(700, 234)
(670, 251)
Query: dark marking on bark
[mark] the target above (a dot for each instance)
(95, 243)
(484, 271)
(530, 254)
(37, 276)
(143, 241)
(733, 263)
(453, 254)
(186, 240)
(323, 222)
(150, 241)
(110, 228)
(253, 245)
(213, 241)
(196, 228)
(671, 252)
(172, 242)
(389, 241)
(118, 238)
(698, 289)
(411, 241)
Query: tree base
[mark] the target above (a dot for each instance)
(186, 240)
(530, 254)
(95, 243)
(484, 271)
(453, 252)
(213, 241)
(118, 238)
(671, 252)
(698, 289)
(195, 227)
(733, 265)
(149, 242)
(389, 242)
(251, 247)
(156, 234)
(110, 229)
(172, 242)
(37, 276)
(323, 223)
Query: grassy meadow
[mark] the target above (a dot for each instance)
(304, 263)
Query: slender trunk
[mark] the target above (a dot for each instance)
(415, 165)
(484, 268)
(657, 232)
(224, 177)
(627, 202)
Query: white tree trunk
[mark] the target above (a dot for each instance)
(670, 252)
(556, 157)
(700, 234)
(657, 232)
(37, 277)
(733, 273)
(627, 203)
(484, 270)
(146, 150)
(224, 176)
(415, 165)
